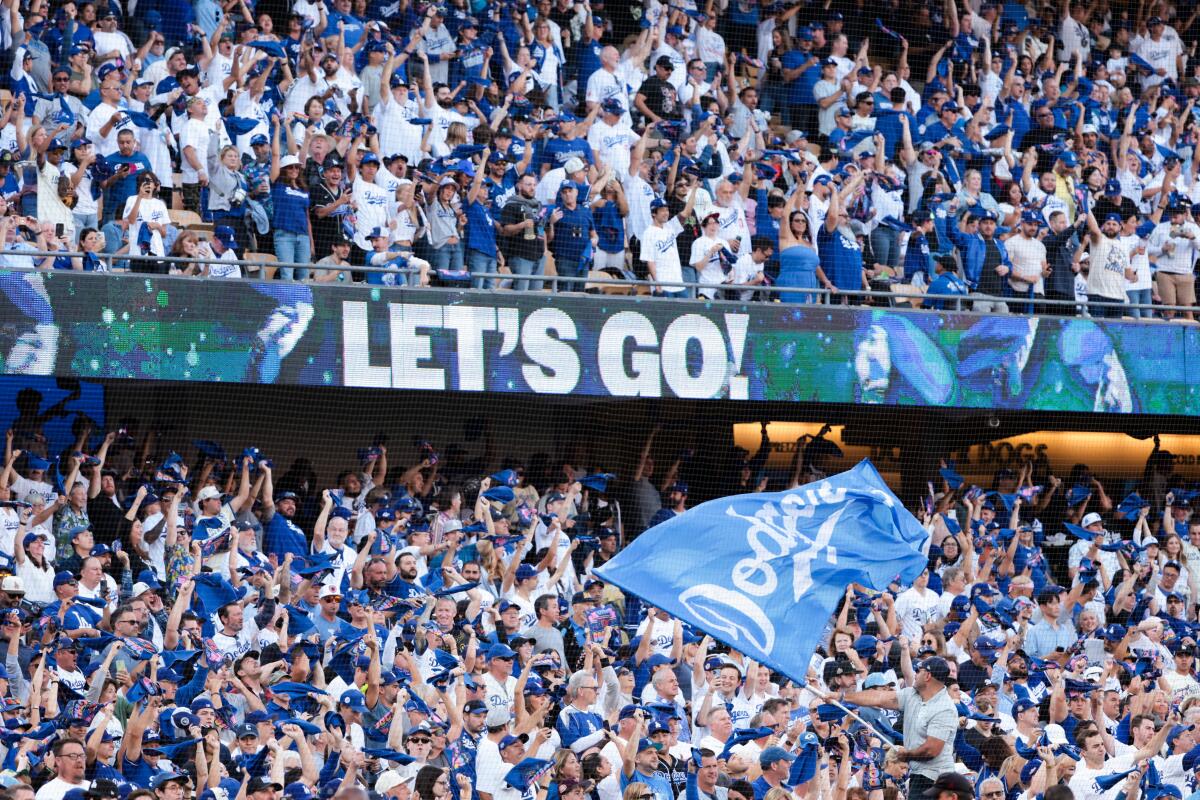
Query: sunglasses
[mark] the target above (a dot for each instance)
(420, 740)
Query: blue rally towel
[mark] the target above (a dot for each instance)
(766, 570)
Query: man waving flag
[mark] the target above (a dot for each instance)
(764, 572)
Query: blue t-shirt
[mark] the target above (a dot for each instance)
(120, 191)
(291, 208)
(481, 229)
(282, 536)
(558, 152)
(136, 772)
(353, 31)
(800, 91)
(610, 228)
(662, 789)
(587, 60)
(1031, 557)
(917, 257)
(841, 259)
(572, 234)
(468, 63)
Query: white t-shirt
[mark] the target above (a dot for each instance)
(613, 143)
(658, 246)
(498, 695)
(662, 637)
(708, 266)
(107, 42)
(914, 610)
(1162, 54)
(39, 583)
(97, 119)
(151, 210)
(396, 133)
(639, 195)
(375, 208)
(490, 768)
(303, 89)
(220, 270)
(195, 134)
(1083, 783)
(1139, 261)
(1106, 268)
(57, 788)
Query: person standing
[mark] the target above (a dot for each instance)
(659, 249)
(524, 243)
(572, 235)
(930, 722)
(1028, 257)
(1108, 267)
(1174, 245)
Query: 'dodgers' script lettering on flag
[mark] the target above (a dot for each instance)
(763, 572)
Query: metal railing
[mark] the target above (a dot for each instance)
(578, 284)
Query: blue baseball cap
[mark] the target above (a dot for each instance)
(225, 235)
(501, 651)
(354, 699)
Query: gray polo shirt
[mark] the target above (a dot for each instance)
(935, 718)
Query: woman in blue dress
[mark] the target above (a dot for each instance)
(798, 263)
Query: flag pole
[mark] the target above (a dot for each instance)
(834, 701)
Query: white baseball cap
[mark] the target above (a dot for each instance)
(573, 165)
(1091, 519)
(1055, 734)
(207, 493)
(329, 590)
(289, 161)
(391, 779)
(139, 589)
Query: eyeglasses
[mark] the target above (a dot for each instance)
(71, 755)
(421, 740)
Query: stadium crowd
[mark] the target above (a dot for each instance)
(1021, 152)
(200, 627)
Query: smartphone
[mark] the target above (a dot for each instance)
(58, 230)
(1094, 649)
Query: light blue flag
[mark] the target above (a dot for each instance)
(764, 572)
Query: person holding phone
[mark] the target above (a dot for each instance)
(144, 211)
